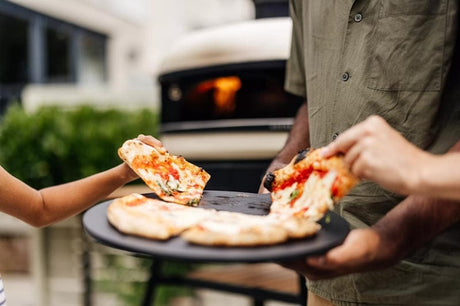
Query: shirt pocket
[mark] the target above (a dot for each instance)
(406, 46)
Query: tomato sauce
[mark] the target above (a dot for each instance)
(163, 169)
(335, 187)
(300, 177)
(135, 203)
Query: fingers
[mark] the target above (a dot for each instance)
(357, 157)
(353, 135)
(275, 165)
(328, 261)
(263, 190)
(152, 141)
(360, 251)
(343, 142)
(339, 257)
(311, 272)
(355, 254)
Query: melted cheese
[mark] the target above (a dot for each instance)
(231, 223)
(311, 200)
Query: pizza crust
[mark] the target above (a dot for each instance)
(298, 228)
(150, 218)
(235, 229)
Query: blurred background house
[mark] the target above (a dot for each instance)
(111, 54)
(99, 50)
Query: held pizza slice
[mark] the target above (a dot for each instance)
(171, 177)
(138, 215)
(309, 185)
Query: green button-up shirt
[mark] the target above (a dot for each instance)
(395, 58)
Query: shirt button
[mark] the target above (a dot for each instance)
(345, 76)
(335, 135)
(358, 17)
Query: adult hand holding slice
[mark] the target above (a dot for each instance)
(377, 152)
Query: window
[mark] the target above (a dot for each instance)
(58, 62)
(92, 68)
(35, 48)
(13, 50)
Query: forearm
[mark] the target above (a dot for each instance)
(298, 139)
(49, 205)
(440, 176)
(411, 224)
(299, 136)
(408, 226)
(62, 201)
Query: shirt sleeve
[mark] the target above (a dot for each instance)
(295, 72)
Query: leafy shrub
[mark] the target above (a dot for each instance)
(53, 145)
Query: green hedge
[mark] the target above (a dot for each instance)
(54, 145)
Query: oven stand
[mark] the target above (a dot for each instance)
(258, 295)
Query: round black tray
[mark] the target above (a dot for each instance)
(333, 232)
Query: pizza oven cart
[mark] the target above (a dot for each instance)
(223, 107)
(333, 231)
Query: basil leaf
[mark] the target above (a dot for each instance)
(294, 194)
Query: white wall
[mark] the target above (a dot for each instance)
(140, 33)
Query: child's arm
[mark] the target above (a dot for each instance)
(52, 204)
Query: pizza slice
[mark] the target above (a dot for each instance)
(138, 215)
(309, 185)
(171, 177)
(242, 230)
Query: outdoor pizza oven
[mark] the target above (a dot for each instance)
(223, 104)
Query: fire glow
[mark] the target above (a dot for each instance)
(224, 92)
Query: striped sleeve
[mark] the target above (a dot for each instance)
(2, 294)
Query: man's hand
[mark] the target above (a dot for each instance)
(275, 165)
(375, 151)
(362, 250)
(405, 228)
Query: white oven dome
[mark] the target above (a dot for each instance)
(251, 41)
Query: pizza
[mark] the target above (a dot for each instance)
(301, 193)
(237, 229)
(171, 177)
(138, 215)
(309, 185)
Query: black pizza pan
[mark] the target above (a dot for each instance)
(333, 231)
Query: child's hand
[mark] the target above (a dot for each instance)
(152, 141)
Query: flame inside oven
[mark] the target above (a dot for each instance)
(224, 90)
